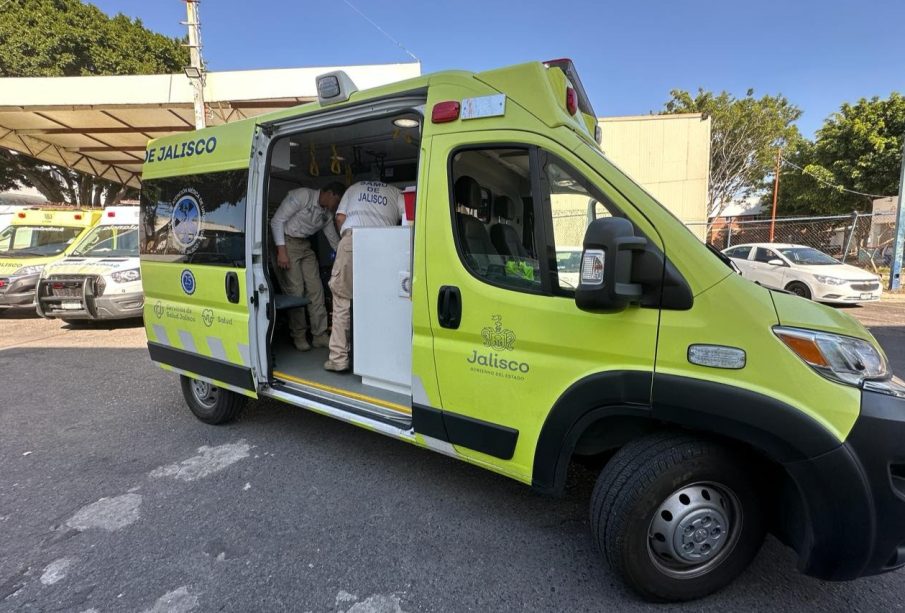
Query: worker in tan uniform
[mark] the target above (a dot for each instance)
(366, 204)
(303, 213)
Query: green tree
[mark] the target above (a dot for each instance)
(745, 133)
(49, 38)
(859, 148)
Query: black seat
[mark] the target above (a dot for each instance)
(281, 302)
(503, 236)
(475, 240)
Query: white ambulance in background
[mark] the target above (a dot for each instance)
(101, 278)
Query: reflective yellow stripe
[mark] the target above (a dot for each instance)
(341, 392)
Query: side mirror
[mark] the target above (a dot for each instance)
(605, 282)
(776, 262)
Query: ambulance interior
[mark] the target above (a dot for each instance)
(385, 149)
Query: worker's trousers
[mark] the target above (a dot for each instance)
(302, 278)
(341, 286)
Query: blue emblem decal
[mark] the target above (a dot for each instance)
(188, 282)
(186, 220)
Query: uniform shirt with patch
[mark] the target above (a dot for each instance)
(300, 215)
(369, 204)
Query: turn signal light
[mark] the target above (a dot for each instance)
(806, 348)
(21, 215)
(78, 216)
(571, 101)
(444, 112)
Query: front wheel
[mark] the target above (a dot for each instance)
(676, 516)
(211, 404)
(799, 289)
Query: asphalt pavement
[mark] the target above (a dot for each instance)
(113, 497)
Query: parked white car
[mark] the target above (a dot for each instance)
(568, 266)
(805, 271)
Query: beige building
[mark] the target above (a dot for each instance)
(669, 155)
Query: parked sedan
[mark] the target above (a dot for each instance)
(805, 271)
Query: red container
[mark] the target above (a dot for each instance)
(409, 196)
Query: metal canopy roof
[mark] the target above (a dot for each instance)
(101, 125)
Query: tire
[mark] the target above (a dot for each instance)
(799, 289)
(676, 516)
(210, 404)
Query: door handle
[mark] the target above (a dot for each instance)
(449, 307)
(232, 287)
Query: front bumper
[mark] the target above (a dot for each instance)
(78, 300)
(854, 497)
(18, 291)
(848, 293)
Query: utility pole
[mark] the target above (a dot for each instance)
(195, 70)
(775, 192)
(895, 266)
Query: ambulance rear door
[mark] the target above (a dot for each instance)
(193, 268)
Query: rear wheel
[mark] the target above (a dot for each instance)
(799, 289)
(211, 404)
(676, 516)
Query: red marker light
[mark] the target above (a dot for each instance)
(111, 213)
(444, 112)
(571, 101)
(78, 216)
(21, 215)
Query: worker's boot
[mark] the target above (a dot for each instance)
(334, 367)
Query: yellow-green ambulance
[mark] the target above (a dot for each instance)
(720, 410)
(35, 238)
(100, 279)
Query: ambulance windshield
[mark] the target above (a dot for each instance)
(109, 241)
(36, 241)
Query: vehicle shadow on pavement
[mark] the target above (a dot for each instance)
(18, 313)
(111, 324)
(382, 514)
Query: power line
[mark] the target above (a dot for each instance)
(828, 184)
(381, 30)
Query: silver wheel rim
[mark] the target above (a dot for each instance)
(694, 529)
(205, 393)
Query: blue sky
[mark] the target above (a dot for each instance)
(629, 53)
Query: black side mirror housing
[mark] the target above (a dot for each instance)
(605, 281)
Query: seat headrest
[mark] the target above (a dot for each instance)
(468, 192)
(503, 207)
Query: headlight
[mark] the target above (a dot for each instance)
(830, 280)
(125, 276)
(28, 270)
(843, 359)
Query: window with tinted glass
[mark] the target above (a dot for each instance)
(764, 255)
(495, 236)
(740, 253)
(195, 218)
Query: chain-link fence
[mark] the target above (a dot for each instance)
(859, 239)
